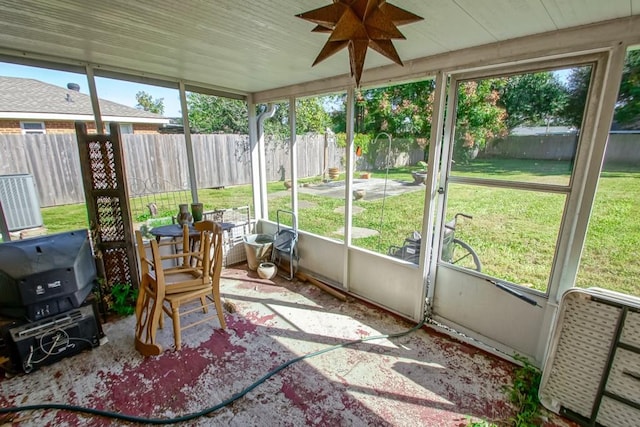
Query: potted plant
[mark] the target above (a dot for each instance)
(420, 175)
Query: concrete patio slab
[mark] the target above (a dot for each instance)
(375, 188)
(420, 379)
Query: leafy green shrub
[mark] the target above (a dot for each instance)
(524, 394)
(148, 217)
(123, 299)
(482, 423)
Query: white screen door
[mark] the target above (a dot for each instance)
(513, 157)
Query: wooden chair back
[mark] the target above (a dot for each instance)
(215, 231)
(167, 288)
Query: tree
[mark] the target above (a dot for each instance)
(628, 110)
(533, 99)
(215, 114)
(403, 111)
(577, 88)
(147, 103)
(311, 115)
(479, 118)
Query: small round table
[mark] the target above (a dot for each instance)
(175, 230)
(171, 230)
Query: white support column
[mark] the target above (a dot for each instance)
(294, 156)
(255, 159)
(95, 104)
(193, 182)
(262, 160)
(431, 196)
(348, 184)
(600, 106)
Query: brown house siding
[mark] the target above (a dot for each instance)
(140, 128)
(13, 127)
(10, 127)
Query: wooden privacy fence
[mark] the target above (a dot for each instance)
(222, 160)
(622, 148)
(156, 160)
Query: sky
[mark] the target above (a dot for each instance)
(113, 90)
(119, 91)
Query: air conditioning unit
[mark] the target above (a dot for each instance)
(20, 202)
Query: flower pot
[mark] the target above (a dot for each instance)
(365, 175)
(267, 270)
(419, 177)
(196, 211)
(258, 249)
(334, 173)
(184, 216)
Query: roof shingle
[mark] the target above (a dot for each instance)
(33, 96)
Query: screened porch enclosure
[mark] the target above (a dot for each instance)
(262, 54)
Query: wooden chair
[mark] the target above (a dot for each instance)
(170, 288)
(146, 307)
(215, 262)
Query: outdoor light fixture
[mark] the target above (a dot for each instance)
(359, 25)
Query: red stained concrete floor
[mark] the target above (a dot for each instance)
(421, 379)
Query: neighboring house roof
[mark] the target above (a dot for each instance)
(35, 100)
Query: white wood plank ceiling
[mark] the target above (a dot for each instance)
(252, 46)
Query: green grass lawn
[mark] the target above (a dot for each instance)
(514, 233)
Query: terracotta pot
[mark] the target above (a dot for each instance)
(334, 173)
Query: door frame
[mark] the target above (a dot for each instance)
(483, 314)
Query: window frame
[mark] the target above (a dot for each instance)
(26, 131)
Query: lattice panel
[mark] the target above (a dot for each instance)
(110, 219)
(116, 264)
(102, 164)
(103, 176)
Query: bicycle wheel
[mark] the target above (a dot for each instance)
(463, 255)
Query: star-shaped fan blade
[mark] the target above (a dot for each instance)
(329, 49)
(399, 16)
(359, 24)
